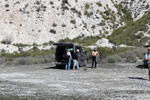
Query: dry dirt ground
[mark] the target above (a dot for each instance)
(107, 82)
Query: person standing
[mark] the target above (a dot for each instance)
(94, 57)
(75, 59)
(68, 59)
(147, 58)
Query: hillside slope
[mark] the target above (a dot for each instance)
(41, 21)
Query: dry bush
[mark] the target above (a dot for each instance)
(131, 56)
(122, 55)
(113, 59)
(140, 52)
(33, 60)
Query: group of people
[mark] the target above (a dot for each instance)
(73, 57)
(95, 54)
(76, 56)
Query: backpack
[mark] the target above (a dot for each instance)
(66, 56)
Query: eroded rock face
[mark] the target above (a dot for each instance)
(40, 21)
(137, 7)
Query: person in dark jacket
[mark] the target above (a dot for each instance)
(147, 58)
(75, 59)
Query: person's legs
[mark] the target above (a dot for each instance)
(77, 64)
(69, 63)
(95, 64)
(93, 61)
(67, 60)
(66, 66)
(74, 63)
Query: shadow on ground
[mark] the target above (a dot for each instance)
(142, 67)
(137, 78)
(55, 67)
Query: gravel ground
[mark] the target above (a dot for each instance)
(109, 81)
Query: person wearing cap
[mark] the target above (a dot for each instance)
(68, 61)
(147, 58)
(94, 55)
(75, 59)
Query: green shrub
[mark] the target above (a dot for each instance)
(104, 16)
(140, 35)
(87, 6)
(144, 40)
(90, 40)
(51, 3)
(93, 26)
(122, 55)
(126, 34)
(21, 45)
(105, 52)
(73, 21)
(32, 53)
(85, 12)
(127, 17)
(9, 59)
(99, 4)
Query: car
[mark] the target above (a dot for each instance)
(145, 61)
(61, 49)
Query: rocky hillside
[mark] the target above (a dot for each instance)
(42, 21)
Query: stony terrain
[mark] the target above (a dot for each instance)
(121, 81)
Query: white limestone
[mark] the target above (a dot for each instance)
(30, 21)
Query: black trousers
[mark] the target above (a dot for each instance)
(94, 61)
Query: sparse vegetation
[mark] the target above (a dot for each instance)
(113, 59)
(131, 57)
(33, 56)
(99, 4)
(58, 97)
(54, 25)
(82, 41)
(127, 17)
(87, 6)
(73, 21)
(7, 5)
(126, 34)
(104, 16)
(8, 40)
(52, 31)
(93, 26)
(63, 25)
(51, 3)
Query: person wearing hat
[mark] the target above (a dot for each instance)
(94, 55)
(75, 59)
(68, 60)
(147, 58)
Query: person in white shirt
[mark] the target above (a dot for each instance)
(147, 58)
(68, 60)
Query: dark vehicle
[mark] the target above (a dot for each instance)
(61, 50)
(145, 61)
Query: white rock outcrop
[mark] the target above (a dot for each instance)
(40, 21)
